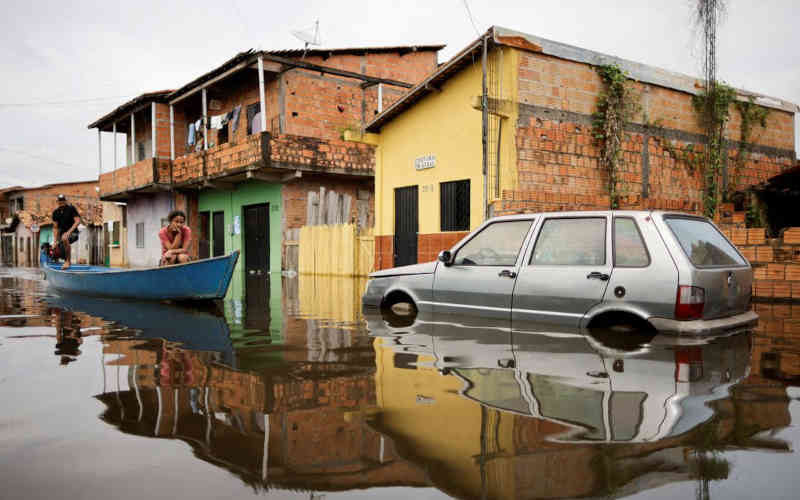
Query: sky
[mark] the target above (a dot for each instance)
(65, 64)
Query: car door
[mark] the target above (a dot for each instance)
(480, 279)
(566, 272)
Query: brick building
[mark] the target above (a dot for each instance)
(540, 153)
(30, 223)
(252, 146)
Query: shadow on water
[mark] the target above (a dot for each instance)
(293, 387)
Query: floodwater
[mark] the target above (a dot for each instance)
(291, 392)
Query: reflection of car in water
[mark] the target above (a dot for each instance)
(647, 393)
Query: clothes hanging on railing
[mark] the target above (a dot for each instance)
(235, 117)
(191, 136)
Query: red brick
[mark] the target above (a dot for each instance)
(776, 271)
(739, 236)
(755, 236)
(791, 236)
(793, 272)
(781, 289)
(764, 254)
(749, 253)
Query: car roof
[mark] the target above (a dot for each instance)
(585, 213)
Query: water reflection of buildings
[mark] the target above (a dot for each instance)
(494, 414)
(290, 392)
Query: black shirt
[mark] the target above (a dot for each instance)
(64, 218)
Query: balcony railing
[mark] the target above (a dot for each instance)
(257, 151)
(141, 175)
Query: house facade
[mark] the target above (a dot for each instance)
(29, 223)
(254, 149)
(541, 153)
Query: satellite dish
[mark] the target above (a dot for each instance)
(309, 35)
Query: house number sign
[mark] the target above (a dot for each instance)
(423, 162)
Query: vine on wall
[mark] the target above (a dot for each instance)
(616, 104)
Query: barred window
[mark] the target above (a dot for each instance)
(454, 205)
(140, 235)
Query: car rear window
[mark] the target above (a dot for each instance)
(703, 244)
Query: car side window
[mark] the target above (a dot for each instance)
(571, 242)
(629, 247)
(497, 244)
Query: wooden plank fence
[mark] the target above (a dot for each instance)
(336, 250)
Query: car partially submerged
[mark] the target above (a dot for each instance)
(676, 272)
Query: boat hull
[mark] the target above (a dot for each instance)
(199, 280)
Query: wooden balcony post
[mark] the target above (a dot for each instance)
(205, 120)
(171, 133)
(133, 140)
(153, 127)
(99, 154)
(262, 100)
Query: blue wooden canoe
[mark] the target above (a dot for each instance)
(199, 280)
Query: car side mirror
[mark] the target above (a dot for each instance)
(446, 257)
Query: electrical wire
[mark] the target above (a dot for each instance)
(37, 157)
(55, 103)
(471, 19)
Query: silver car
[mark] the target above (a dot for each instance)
(674, 271)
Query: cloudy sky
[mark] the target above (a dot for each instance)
(64, 64)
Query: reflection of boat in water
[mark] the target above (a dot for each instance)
(195, 329)
(567, 377)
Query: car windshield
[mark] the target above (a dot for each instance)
(703, 244)
(497, 245)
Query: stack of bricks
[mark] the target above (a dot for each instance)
(775, 261)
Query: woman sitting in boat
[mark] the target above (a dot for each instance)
(175, 239)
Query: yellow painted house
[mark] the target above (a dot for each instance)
(443, 166)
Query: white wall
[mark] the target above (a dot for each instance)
(149, 210)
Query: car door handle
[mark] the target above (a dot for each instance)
(597, 276)
(505, 273)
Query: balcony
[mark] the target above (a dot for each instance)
(274, 153)
(149, 175)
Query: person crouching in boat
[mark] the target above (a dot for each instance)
(66, 219)
(175, 239)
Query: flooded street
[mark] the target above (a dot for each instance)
(292, 392)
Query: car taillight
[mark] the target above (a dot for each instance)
(689, 302)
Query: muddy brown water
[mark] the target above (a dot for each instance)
(293, 392)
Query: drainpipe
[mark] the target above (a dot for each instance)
(485, 131)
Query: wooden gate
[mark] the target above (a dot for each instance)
(337, 250)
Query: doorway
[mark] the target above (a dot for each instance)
(218, 229)
(256, 240)
(204, 242)
(406, 225)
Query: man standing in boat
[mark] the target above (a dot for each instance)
(65, 229)
(175, 239)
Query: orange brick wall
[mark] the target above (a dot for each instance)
(775, 261)
(428, 247)
(131, 177)
(40, 202)
(295, 196)
(558, 163)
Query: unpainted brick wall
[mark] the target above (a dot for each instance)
(775, 261)
(558, 162)
(40, 202)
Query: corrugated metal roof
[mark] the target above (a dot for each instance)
(155, 96)
(503, 36)
(355, 50)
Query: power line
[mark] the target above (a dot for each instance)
(471, 20)
(52, 103)
(37, 157)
